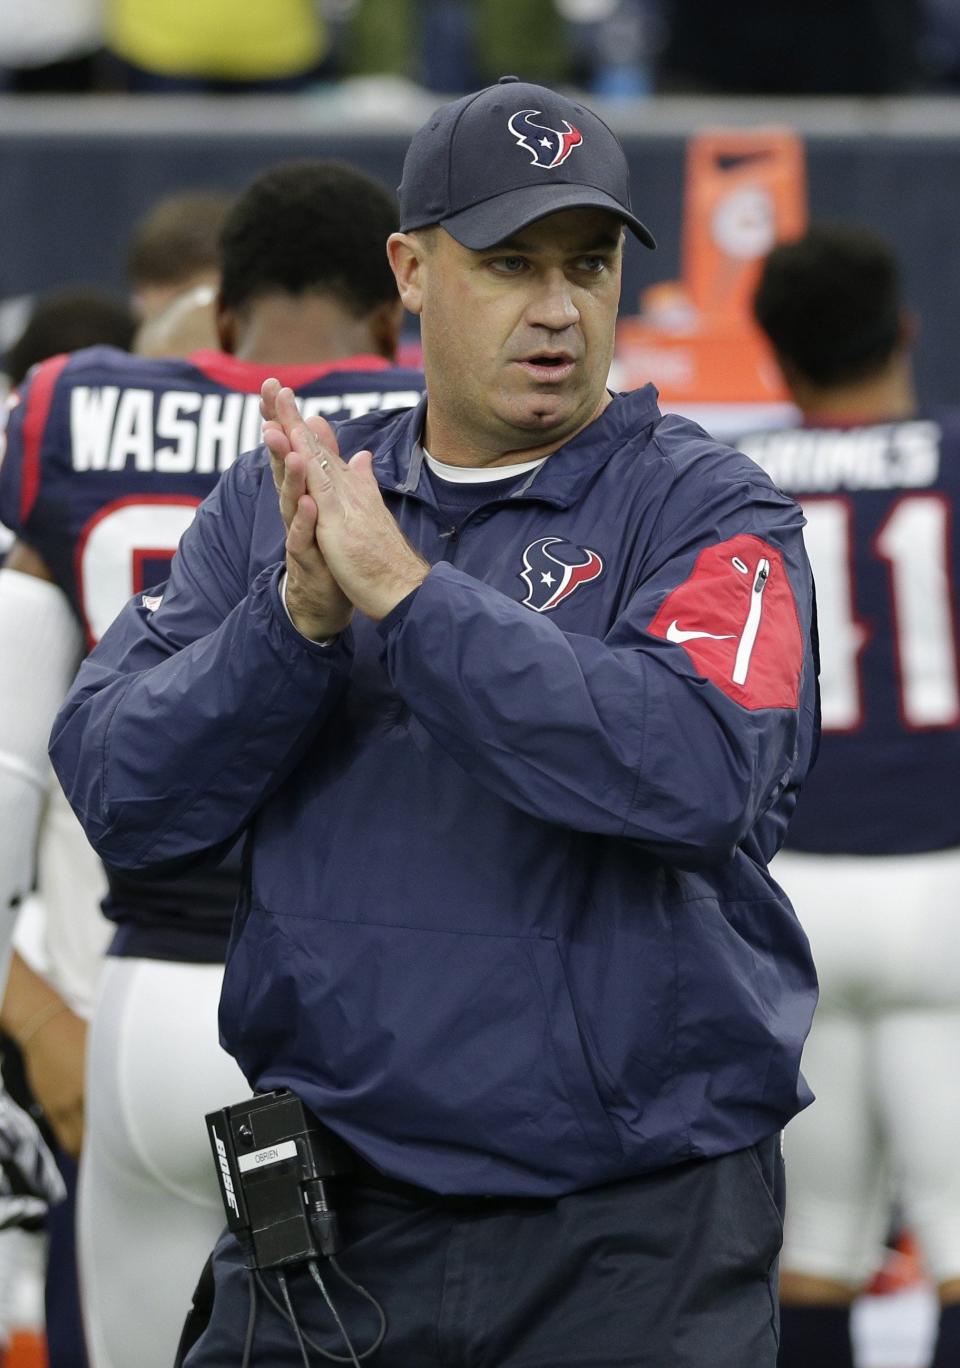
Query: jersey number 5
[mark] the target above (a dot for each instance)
(124, 548)
(914, 543)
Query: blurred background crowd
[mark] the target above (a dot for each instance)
(618, 48)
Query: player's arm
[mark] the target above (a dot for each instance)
(40, 647)
(23, 558)
(189, 713)
(40, 640)
(636, 735)
(52, 1039)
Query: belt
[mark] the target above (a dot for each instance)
(366, 1176)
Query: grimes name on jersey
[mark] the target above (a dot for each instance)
(819, 460)
(176, 431)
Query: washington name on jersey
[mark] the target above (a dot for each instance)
(109, 455)
(174, 431)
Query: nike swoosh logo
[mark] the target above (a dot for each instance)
(675, 633)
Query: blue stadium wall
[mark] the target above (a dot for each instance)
(75, 175)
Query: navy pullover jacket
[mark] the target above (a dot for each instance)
(507, 925)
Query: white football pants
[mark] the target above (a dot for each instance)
(149, 1205)
(883, 1059)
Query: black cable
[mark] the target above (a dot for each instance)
(368, 1296)
(251, 1321)
(326, 1353)
(315, 1275)
(291, 1317)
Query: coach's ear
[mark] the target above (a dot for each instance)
(407, 253)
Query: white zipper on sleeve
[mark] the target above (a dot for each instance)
(741, 665)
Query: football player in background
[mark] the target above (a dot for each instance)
(108, 457)
(872, 857)
(175, 247)
(66, 320)
(60, 320)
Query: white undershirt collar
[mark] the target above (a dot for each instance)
(478, 474)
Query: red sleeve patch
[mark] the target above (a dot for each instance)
(736, 617)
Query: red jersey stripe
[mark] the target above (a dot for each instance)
(248, 376)
(42, 385)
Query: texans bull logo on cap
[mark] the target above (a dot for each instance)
(550, 580)
(547, 146)
(475, 168)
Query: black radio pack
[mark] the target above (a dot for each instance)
(273, 1159)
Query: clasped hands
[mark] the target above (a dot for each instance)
(344, 548)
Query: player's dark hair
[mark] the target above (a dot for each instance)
(310, 227)
(178, 238)
(65, 321)
(830, 303)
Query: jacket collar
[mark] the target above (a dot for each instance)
(398, 460)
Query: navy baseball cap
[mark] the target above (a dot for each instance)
(485, 166)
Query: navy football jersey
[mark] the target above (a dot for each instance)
(108, 456)
(883, 539)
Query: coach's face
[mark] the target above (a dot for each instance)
(518, 339)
